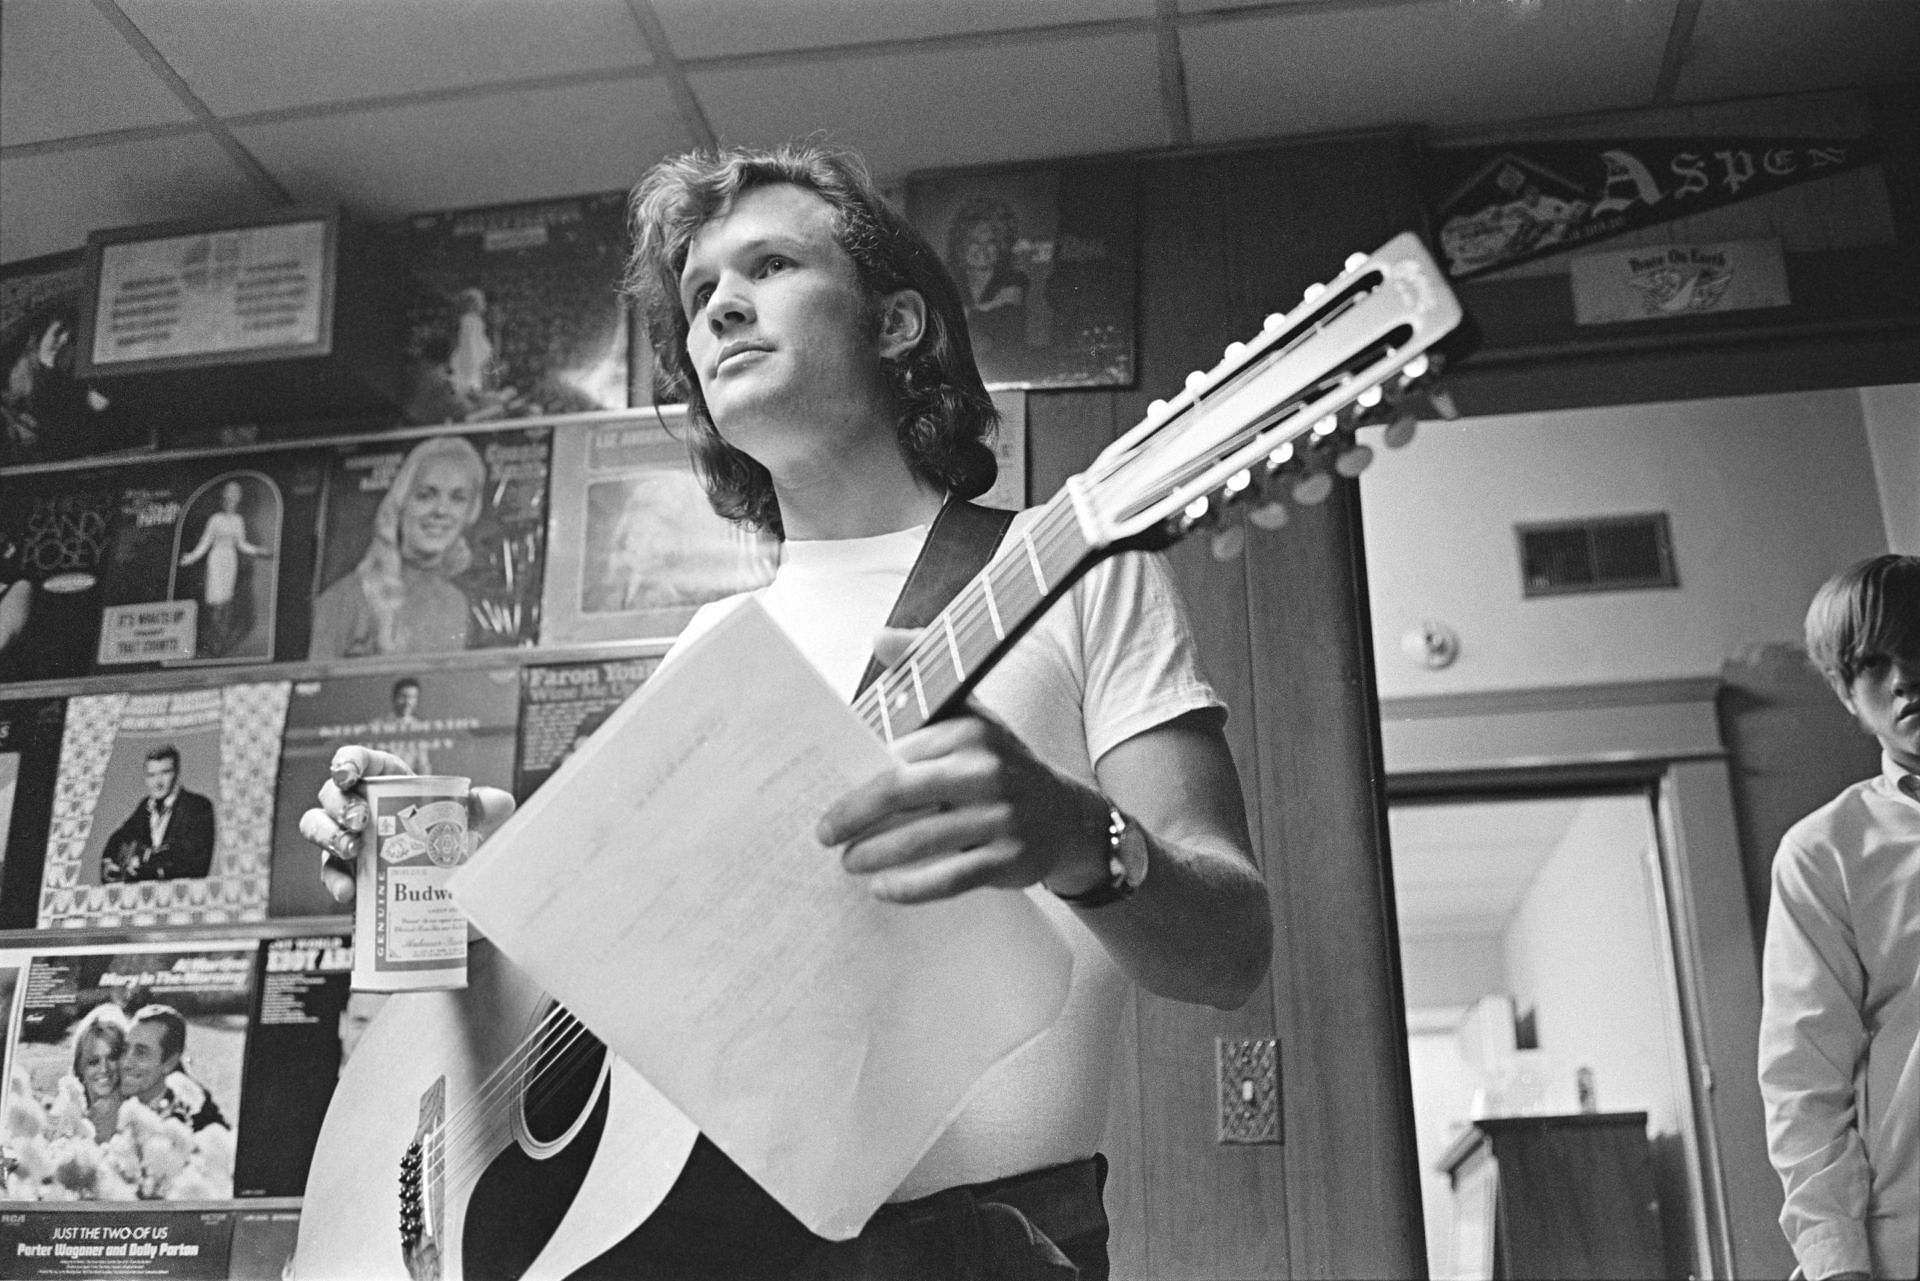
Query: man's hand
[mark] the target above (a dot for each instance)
(342, 814)
(968, 806)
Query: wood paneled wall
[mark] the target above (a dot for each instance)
(1225, 239)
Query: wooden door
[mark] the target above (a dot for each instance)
(1225, 239)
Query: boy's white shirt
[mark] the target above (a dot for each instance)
(1840, 1029)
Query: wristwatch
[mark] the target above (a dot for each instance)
(1126, 864)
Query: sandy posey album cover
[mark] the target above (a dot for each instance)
(432, 544)
(163, 811)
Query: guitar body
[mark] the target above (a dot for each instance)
(500, 1154)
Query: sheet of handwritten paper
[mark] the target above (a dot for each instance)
(665, 886)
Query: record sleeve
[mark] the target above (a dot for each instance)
(56, 531)
(209, 561)
(29, 769)
(439, 722)
(46, 413)
(300, 1028)
(636, 548)
(211, 755)
(562, 704)
(432, 545)
(126, 1076)
(120, 1243)
(514, 311)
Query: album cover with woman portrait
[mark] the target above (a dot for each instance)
(163, 813)
(30, 733)
(635, 547)
(1045, 257)
(209, 560)
(127, 1070)
(432, 544)
(46, 414)
(56, 530)
(438, 722)
(514, 311)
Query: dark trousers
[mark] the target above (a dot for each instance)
(718, 1225)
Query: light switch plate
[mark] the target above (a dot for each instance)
(1249, 1086)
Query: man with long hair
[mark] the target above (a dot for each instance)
(833, 399)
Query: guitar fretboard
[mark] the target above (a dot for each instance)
(1026, 568)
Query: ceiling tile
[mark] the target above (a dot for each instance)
(1444, 64)
(101, 85)
(50, 202)
(713, 28)
(243, 56)
(1057, 97)
(1755, 46)
(475, 151)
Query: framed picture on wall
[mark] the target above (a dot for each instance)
(1045, 258)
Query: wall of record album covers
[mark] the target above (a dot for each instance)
(472, 583)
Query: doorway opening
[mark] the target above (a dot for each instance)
(1540, 979)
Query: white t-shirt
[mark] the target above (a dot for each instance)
(1113, 658)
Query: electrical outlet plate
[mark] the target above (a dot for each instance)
(1248, 1075)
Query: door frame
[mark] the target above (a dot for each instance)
(1663, 735)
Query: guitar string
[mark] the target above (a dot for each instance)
(494, 1101)
(559, 1031)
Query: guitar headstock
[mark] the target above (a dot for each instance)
(1275, 420)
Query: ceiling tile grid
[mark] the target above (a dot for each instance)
(49, 202)
(720, 28)
(1440, 64)
(473, 151)
(101, 85)
(1054, 98)
(245, 56)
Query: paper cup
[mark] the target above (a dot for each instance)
(408, 934)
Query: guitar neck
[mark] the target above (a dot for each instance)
(1028, 572)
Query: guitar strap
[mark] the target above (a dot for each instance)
(717, 1224)
(959, 545)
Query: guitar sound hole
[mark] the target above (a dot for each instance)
(561, 1084)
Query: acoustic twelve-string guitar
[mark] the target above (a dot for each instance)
(486, 1133)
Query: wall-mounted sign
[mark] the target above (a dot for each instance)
(166, 297)
(1498, 206)
(1664, 282)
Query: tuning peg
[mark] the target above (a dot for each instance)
(1157, 411)
(1271, 514)
(1313, 291)
(1326, 426)
(1196, 511)
(1399, 432)
(1369, 398)
(1315, 487)
(1238, 483)
(1443, 405)
(1354, 262)
(1416, 369)
(1274, 323)
(1351, 462)
(1234, 351)
(1280, 457)
(1196, 380)
(1229, 542)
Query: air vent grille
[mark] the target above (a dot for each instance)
(1603, 554)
